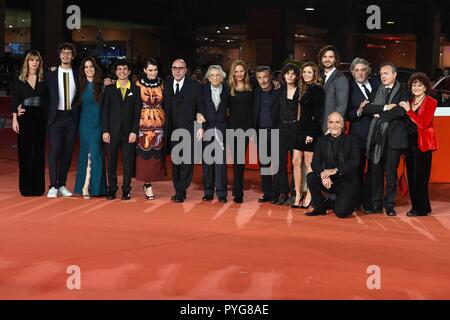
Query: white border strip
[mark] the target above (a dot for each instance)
(442, 112)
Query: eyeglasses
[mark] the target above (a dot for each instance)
(178, 68)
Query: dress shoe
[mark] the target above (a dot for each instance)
(238, 199)
(373, 210)
(282, 199)
(315, 213)
(223, 200)
(207, 197)
(148, 191)
(265, 199)
(390, 212)
(111, 195)
(415, 213)
(275, 199)
(126, 196)
(174, 197)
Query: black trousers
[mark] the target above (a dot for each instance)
(62, 134)
(343, 187)
(418, 166)
(215, 174)
(269, 183)
(363, 195)
(238, 169)
(182, 173)
(112, 150)
(31, 151)
(288, 136)
(388, 164)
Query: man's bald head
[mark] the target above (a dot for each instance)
(335, 123)
(179, 69)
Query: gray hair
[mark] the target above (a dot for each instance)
(360, 61)
(216, 67)
(335, 113)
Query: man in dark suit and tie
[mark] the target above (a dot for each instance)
(121, 113)
(335, 83)
(361, 89)
(183, 105)
(63, 116)
(387, 138)
(334, 165)
(266, 117)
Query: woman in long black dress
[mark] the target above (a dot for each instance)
(240, 117)
(29, 94)
(312, 100)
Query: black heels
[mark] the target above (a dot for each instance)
(297, 206)
(306, 207)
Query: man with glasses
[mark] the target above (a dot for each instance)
(183, 105)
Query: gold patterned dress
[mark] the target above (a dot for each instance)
(150, 164)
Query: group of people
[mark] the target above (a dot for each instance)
(308, 109)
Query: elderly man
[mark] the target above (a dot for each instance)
(183, 105)
(334, 165)
(361, 89)
(387, 138)
(216, 96)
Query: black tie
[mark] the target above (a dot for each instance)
(366, 90)
(177, 90)
(388, 95)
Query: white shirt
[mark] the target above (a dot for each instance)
(181, 82)
(368, 86)
(328, 75)
(72, 87)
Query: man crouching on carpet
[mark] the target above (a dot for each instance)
(335, 169)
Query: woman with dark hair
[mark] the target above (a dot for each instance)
(91, 178)
(150, 164)
(288, 126)
(421, 142)
(240, 117)
(29, 93)
(311, 108)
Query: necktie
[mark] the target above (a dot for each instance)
(388, 95)
(366, 90)
(66, 82)
(177, 90)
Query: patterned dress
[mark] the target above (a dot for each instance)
(150, 164)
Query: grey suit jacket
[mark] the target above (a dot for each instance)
(336, 96)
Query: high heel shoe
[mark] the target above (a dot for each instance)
(306, 207)
(86, 196)
(297, 206)
(148, 191)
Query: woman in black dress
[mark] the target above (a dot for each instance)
(29, 94)
(311, 108)
(288, 126)
(240, 117)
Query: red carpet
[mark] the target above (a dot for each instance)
(162, 250)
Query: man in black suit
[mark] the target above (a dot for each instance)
(216, 95)
(121, 113)
(63, 116)
(361, 89)
(183, 105)
(387, 138)
(334, 165)
(266, 117)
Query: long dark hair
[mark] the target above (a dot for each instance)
(98, 80)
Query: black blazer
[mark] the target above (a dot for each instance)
(51, 80)
(216, 119)
(181, 111)
(275, 107)
(397, 133)
(359, 126)
(348, 160)
(312, 103)
(118, 113)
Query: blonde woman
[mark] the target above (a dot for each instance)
(240, 117)
(30, 124)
